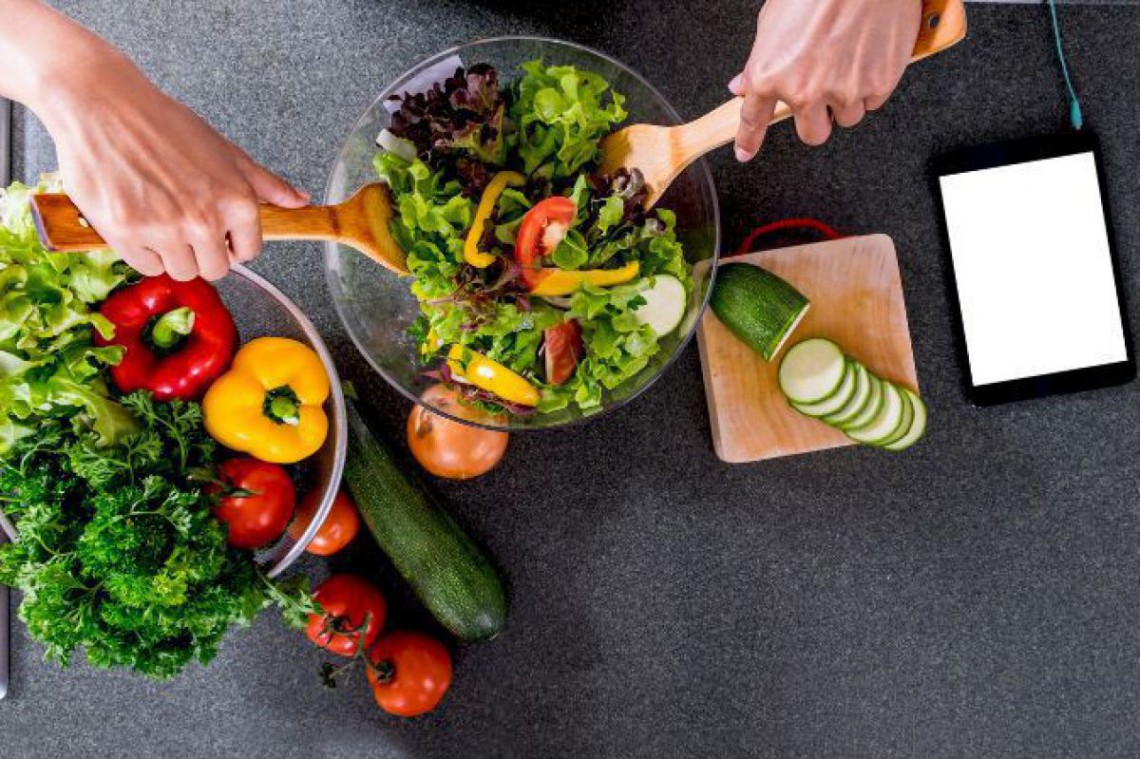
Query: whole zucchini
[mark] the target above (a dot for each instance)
(448, 572)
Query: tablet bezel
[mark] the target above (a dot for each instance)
(1007, 154)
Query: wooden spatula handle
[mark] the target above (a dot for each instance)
(943, 24)
(62, 226)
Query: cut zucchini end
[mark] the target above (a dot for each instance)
(758, 307)
(790, 330)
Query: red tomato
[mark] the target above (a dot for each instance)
(563, 349)
(541, 230)
(347, 600)
(261, 504)
(410, 673)
(338, 530)
(450, 449)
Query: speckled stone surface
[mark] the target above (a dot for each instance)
(975, 597)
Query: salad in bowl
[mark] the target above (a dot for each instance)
(542, 283)
(541, 290)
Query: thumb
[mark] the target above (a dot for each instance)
(271, 188)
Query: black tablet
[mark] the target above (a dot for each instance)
(1033, 273)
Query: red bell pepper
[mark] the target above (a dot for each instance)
(179, 337)
(542, 228)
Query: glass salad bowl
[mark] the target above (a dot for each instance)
(377, 307)
(259, 310)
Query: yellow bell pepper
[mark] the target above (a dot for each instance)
(500, 182)
(557, 282)
(468, 366)
(270, 403)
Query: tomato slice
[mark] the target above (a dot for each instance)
(541, 230)
(563, 348)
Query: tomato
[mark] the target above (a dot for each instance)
(256, 501)
(540, 232)
(409, 674)
(450, 449)
(339, 528)
(562, 345)
(347, 600)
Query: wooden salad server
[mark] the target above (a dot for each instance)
(360, 222)
(662, 153)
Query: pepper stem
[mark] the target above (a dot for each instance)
(172, 326)
(283, 406)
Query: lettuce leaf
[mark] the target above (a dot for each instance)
(49, 366)
(562, 113)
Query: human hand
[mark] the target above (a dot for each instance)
(826, 59)
(152, 177)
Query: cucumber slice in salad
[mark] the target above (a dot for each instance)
(812, 371)
(664, 305)
(846, 395)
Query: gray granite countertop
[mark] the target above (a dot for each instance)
(976, 597)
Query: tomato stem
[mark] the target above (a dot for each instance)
(385, 671)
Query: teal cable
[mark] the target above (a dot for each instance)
(1075, 116)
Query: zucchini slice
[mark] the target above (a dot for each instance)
(664, 306)
(870, 410)
(904, 423)
(812, 371)
(887, 420)
(837, 401)
(917, 426)
(859, 398)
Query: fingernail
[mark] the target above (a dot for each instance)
(743, 155)
(735, 85)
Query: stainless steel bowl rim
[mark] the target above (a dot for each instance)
(393, 88)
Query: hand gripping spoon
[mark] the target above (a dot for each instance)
(361, 222)
(662, 153)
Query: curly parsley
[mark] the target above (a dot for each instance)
(119, 554)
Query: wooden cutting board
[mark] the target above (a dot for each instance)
(856, 300)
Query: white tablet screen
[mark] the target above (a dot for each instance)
(1031, 258)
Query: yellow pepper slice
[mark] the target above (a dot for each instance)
(491, 376)
(500, 182)
(556, 282)
(270, 403)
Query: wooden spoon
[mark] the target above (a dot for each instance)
(361, 222)
(662, 153)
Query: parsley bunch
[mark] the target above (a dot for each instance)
(119, 553)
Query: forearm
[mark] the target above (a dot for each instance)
(45, 55)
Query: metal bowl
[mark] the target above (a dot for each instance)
(261, 310)
(376, 306)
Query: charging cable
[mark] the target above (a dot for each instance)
(1075, 116)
